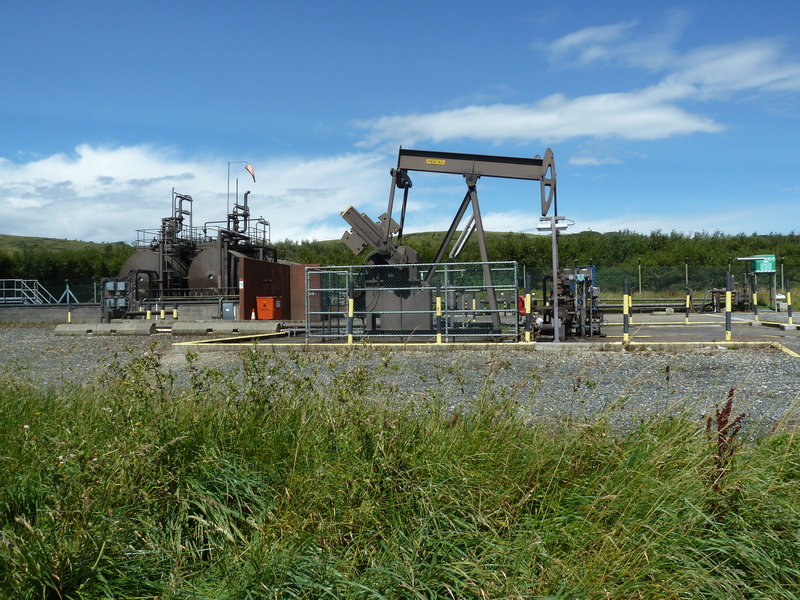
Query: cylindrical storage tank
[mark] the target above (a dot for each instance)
(143, 260)
(146, 259)
(205, 272)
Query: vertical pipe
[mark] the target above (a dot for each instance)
(350, 312)
(783, 281)
(69, 302)
(788, 300)
(625, 316)
(544, 292)
(450, 296)
(775, 292)
(556, 316)
(686, 272)
(640, 277)
(438, 313)
(728, 295)
(630, 294)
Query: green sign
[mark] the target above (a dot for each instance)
(764, 263)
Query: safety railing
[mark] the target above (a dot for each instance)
(24, 291)
(459, 302)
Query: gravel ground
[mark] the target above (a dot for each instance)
(628, 386)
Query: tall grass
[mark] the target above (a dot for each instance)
(305, 477)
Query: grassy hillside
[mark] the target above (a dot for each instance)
(18, 243)
(49, 259)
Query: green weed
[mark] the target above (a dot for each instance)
(306, 476)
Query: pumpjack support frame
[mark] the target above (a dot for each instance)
(472, 167)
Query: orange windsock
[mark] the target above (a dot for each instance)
(249, 169)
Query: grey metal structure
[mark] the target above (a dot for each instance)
(461, 312)
(179, 260)
(389, 250)
(25, 291)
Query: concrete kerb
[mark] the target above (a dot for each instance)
(123, 328)
(229, 344)
(225, 327)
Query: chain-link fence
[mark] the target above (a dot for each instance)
(671, 282)
(420, 302)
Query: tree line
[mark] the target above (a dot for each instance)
(89, 261)
(622, 248)
(619, 249)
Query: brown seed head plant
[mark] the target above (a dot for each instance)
(723, 439)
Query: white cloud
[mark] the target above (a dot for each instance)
(620, 42)
(745, 66)
(730, 221)
(649, 113)
(592, 161)
(638, 115)
(105, 194)
(591, 43)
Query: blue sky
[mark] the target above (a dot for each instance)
(660, 115)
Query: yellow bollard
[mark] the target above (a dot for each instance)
(688, 308)
(350, 315)
(625, 319)
(755, 305)
(630, 305)
(728, 305)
